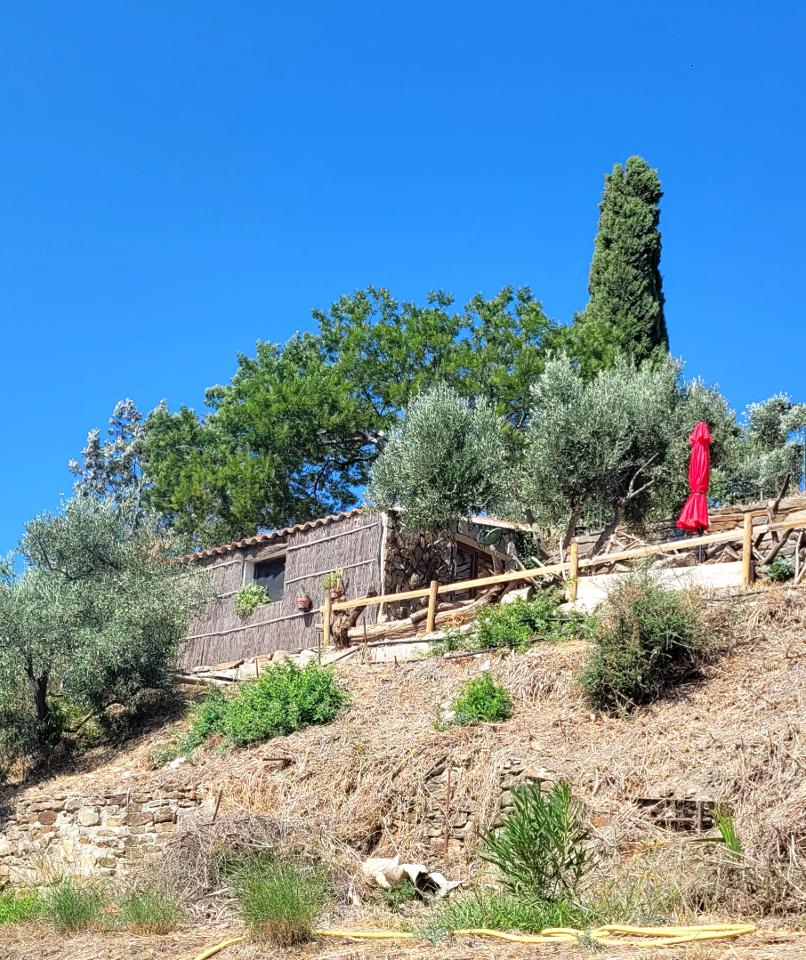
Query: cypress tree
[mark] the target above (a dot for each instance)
(625, 311)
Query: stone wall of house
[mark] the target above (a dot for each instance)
(411, 562)
(100, 835)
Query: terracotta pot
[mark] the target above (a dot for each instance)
(304, 603)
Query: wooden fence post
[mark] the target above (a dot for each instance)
(747, 551)
(573, 570)
(431, 622)
(326, 620)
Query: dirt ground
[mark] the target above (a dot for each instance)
(39, 943)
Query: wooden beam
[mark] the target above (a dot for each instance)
(432, 606)
(747, 552)
(326, 608)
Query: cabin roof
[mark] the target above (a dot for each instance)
(278, 534)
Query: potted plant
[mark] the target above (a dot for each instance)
(304, 601)
(333, 583)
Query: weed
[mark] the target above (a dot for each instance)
(249, 598)
(278, 901)
(727, 831)
(151, 907)
(648, 640)
(780, 570)
(72, 904)
(494, 910)
(397, 897)
(19, 906)
(541, 847)
(482, 701)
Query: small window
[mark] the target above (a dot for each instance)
(270, 574)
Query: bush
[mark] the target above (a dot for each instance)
(492, 910)
(151, 907)
(283, 699)
(524, 622)
(72, 905)
(541, 847)
(648, 640)
(517, 626)
(779, 571)
(482, 701)
(278, 901)
(249, 598)
(19, 906)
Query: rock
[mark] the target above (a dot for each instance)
(177, 763)
(6, 847)
(524, 593)
(279, 656)
(88, 817)
(306, 657)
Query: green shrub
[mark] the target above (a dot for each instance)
(283, 699)
(249, 598)
(482, 701)
(648, 640)
(541, 847)
(19, 906)
(493, 910)
(151, 907)
(72, 904)
(781, 570)
(396, 897)
(520, 624)
(278, 901)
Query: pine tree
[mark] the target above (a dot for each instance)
(625, 311)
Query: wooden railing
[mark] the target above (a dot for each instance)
(745, 533)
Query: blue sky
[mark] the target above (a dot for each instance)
(178, 180)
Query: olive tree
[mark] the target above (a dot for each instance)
(595, 444)
(97, 614)
(444, 461)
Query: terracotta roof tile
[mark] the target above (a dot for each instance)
(278, 534)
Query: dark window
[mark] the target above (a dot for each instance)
(271, 575)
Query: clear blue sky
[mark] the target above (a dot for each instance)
(180, 179)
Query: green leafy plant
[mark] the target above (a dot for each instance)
(520, 624)
(72, 904)
(727, 830)
(648, 640)
(283, 699)
(19, 906)
(541, 847)
(494, 910)
(482, 701)
(249, 598)
(151, 907)
(333, 580)
(279, 901)
(397, 897)
(781, 570)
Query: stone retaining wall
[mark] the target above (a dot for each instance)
(62, 833)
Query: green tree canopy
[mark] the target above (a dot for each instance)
(295, 433)
(625, 313)
(96, 615)
(444, 461)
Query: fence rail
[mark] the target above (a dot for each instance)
(744, 533)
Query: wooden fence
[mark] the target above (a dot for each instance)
(746, 533)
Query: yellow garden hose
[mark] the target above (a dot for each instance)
(613, 934)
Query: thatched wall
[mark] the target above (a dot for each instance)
(351, 541)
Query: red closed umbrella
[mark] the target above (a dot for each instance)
(694, 516)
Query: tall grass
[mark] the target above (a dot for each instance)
(72, 904)
(280, 902)
(494, 910)
(19, 906)
(152, 906)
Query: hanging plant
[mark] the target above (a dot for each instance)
(304, 601)
(249, 598)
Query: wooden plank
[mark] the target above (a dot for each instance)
(432, 606)
(328, 605)
(384, 598)
(747, 552)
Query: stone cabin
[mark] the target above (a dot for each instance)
(370, 550)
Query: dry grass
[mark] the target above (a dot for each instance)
(358, 786)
